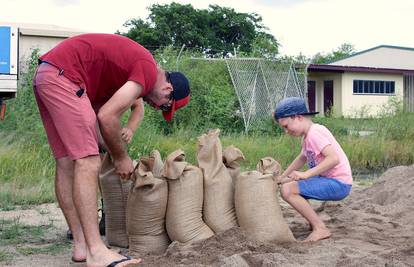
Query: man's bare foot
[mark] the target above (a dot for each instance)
(111, 258)
(318, 234)
(126, 261)
(79, 252)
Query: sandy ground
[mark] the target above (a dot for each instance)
(373, 227)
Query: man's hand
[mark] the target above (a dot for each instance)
(126, 135)
(124, 167)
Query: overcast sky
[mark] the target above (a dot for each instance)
(300, 26)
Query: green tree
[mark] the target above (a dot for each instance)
(344, 50)
(216, 31)
(265, 46)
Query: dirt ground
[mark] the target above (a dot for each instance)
(373, 226)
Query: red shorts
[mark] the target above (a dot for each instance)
(70, 121)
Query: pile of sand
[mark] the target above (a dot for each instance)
(373, 226)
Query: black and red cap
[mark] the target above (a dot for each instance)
(180, 94)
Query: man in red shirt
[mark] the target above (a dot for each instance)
(86, 81)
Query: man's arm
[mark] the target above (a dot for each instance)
(109, 122)
(134, 120)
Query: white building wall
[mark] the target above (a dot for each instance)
(357, 105)
(29, 43)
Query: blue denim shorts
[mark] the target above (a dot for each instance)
(322, 188)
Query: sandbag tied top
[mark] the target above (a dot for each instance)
(218, 208)
(146, 209)
(156, 163)
(268, 165)
(231, 156)
(174, 165)
(142, 175)
(258, 209)
(115, 195)
(185, 200)
(209, 148)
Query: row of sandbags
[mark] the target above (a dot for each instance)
(177, 201)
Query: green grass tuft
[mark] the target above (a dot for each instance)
(5, 257)
(13, 232)
(50, 249)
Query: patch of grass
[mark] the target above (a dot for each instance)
(27, 169)
(5, 256)
(50, 249)
(17, 193)
(13, 232)
(7, 206)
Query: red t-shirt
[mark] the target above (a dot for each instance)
(102, 63)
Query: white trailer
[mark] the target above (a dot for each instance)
(9, 64)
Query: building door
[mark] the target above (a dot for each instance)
(409, 93)
(311, 95)
(327, 96)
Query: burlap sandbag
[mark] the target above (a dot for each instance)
(231, 157)
(115, 195)
(257, 204)
(185, 200)
(146, 208)
(218, 209)
(156, 163)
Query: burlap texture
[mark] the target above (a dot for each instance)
(115, 195)
(268, 165)
(146, 208)
(257, 204)
(231, 157)
(156, 163)
(218, 209)
(185, 200)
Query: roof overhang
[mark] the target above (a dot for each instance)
(44, 30)
(48, 33)
(342, 69)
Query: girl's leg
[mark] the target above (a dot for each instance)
(290, 193)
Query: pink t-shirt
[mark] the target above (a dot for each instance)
(317, 138)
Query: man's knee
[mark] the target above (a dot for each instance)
(89, 163)
(64, 164)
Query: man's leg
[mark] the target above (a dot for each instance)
(85, 200)
(290, 193)
(70, 126)
(64, 190)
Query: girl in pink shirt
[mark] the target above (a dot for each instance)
(329, 176)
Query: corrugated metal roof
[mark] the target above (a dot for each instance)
(342, 69)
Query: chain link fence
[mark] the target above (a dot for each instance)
(260, 84)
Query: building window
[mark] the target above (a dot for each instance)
(374, 87)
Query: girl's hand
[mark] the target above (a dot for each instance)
(296, 175)
(282, 179)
